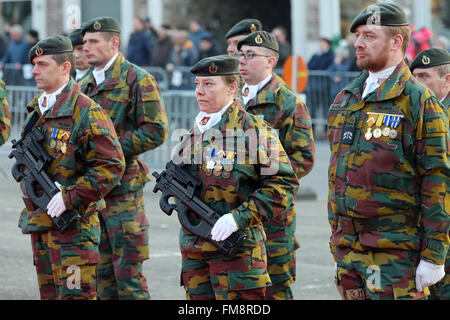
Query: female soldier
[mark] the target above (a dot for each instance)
(228, 151)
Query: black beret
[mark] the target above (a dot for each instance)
(244, 27)
(216, 66)
(383, 14)
(76, 36)
(51, 45)
(430, 58)
(102, 24)
(259, 39)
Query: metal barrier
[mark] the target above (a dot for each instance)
(182, 107)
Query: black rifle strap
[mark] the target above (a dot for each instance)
(31, 123)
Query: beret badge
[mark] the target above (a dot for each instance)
(38, 51)
(97, 26)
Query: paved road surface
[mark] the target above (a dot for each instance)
(314, 262)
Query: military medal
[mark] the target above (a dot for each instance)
(370, 122)
(228, 166)
(63, 147)
(377, 132)
(395, 123)
(368, 134)
(54, 137)
(226, 173)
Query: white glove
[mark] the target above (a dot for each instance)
(427, 274)
(224, 227)
(56, 206)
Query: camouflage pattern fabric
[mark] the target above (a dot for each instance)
(389, 169)
(285, 111)
(5, 117)
(441, 290)
(88, 164)
(246, 192)
(383, 275)
(123, 247)
(131, 97)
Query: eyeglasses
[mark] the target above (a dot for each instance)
(249, 55)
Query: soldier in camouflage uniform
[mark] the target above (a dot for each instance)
(131, 97)
(266, 96)
(82, 68)
(88, 163)
(5, 117)
(389, 170)
(243, 189)
(240, 30)
(432, 68)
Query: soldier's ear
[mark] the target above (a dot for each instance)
(115, 42)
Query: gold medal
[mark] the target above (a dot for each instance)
(64, 147)
(377, 133)
(393, 134)
(368, 134)
(53, 144)
(210, 165)
(58, 145)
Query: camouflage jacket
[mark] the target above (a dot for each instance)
(88, 161)
(247, 185)
(131, 97)
(285, 111)
(5, 117)
(446, 101)
(389, 167)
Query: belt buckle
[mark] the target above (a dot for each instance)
(348, 226)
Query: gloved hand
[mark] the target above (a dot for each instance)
(56, 206)
(427, 274)
(224, 227)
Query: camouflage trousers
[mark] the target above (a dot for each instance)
(281, 245)
(378, 274)
(60, 277)
(441, 290)
(209, 276)
(123, 248)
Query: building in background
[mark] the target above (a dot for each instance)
(305, 20)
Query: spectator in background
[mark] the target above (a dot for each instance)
(163, 47)
(18, 47)
(420, 40)
(183, 54)
(150, 27)
(336, 71)
(351, 39)
(318, 86)
(207, 47)
(140, 44)
(3, 45)
(32, 37)
(197, 32)
(324, 58)
(285, 50)
(441, 42)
